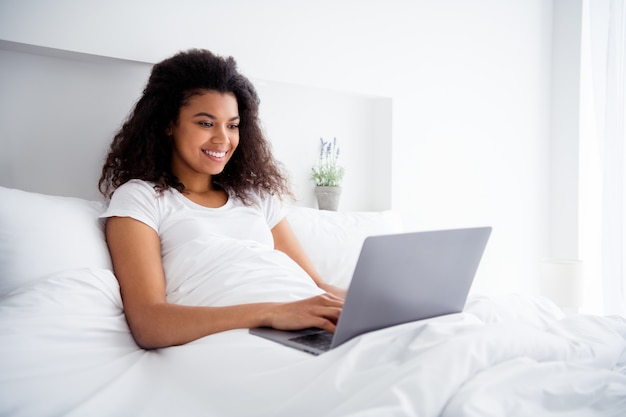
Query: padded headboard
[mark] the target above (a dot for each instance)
(59, 111)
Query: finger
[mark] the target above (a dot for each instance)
(330, 299)
(325, 324)
(333, 296)
(328, 313)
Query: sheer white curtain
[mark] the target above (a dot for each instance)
(607, 59)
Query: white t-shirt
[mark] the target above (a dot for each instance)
(215, 256)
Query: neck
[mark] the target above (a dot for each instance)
(204, 190)
(212, 197)
(198, 186)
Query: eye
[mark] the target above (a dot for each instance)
(233, 126)
(206, 124)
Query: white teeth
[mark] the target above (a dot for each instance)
(215, 154)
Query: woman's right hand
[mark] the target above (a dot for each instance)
(321, 311)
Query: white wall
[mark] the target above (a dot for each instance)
(469, 81)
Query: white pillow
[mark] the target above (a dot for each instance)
(333, 239)
(42, 234)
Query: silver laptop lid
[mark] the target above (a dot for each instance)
(420, 275)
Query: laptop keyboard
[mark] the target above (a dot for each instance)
(321, 340)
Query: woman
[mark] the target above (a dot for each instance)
(195, 227)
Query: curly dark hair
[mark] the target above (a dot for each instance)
(142, 150)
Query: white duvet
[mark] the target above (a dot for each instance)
(65, 350)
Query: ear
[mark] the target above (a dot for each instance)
(169, 131)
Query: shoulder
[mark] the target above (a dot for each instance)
(136, 187)
(139, 190)
(137, 199)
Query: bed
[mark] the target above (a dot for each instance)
(66, 349)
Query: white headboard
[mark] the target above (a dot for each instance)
(59, 111)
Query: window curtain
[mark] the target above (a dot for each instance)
(607, 40)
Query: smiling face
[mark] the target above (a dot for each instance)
(204, 138)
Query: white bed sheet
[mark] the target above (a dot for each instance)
(66, 350)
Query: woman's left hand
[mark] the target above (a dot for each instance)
(332, 289)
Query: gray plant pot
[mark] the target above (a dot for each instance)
(328, 197)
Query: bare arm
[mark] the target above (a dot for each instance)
(136, 254)
(286, 241)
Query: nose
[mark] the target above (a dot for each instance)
(221, 135)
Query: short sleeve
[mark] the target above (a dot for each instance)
(135, 199)
(273, 210)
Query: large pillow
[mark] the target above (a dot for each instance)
(42, 234)
(333, 239)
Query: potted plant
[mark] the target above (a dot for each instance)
(328, 175)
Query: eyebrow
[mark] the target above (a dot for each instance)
(210, 116)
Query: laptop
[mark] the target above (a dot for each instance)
(398, 279)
